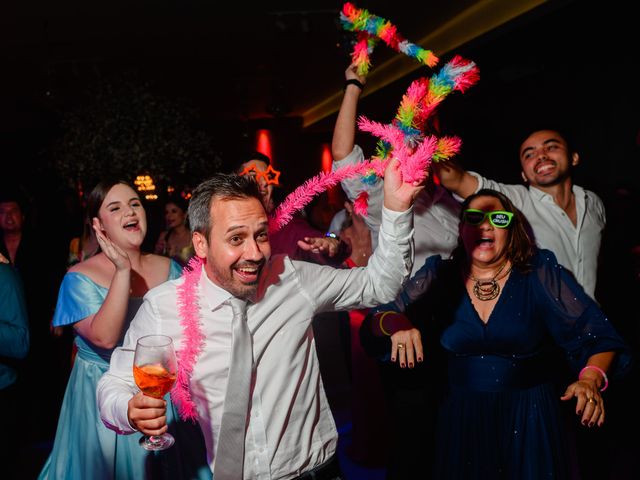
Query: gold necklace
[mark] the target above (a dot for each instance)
(488, 289)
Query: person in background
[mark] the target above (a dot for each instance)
(565, 218)
(14, 346)
(98, 297)
(258, 310)
(409, 401)
(175, 241)
(41, 268)
(83, 247)
(510, 317)
(298, 238)
(339, 218)
(436, 211)
(367, 446)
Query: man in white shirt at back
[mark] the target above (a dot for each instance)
(565, 218)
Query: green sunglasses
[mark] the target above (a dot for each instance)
(497, 218)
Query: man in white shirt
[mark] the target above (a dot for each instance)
(290, 432)
(435, 210)
(565, 218)
(408, 393)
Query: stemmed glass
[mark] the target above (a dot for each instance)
(154, 370)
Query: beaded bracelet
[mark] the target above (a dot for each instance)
(598, 369)
(384, 314)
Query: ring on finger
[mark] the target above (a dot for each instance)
(592, 400)
(401, 346)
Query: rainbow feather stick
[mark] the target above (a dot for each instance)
(414, 162)
(362, 53)
(354, 19)
(361, 203)
(457, 74)
(446, 148)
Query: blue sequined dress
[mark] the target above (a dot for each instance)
(501, 415)
(84, 448)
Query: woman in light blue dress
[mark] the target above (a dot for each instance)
(99, 297)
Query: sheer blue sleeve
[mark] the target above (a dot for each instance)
(78, 298)
(574, 319)
(415, 287)
(175, 270)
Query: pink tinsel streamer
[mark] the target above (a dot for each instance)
(193, 340)
(302, 195)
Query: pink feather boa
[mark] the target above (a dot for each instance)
(193, 338)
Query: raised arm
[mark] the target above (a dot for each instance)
(344, 131)
(455, 178)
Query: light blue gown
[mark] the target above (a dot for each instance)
(84, 448)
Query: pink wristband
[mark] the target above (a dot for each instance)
(604, 375)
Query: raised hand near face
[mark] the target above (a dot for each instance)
(113, 252)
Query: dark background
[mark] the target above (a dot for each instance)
(569, 63)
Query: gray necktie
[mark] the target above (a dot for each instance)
(229, 459)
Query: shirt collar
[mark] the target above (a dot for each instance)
(213, 294)
(578, 191)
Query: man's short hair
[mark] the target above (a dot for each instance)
(248, 158)
(12, 193)
(221, 186)
(565, 133)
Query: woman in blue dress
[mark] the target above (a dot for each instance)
(99, 297)
(510, 321)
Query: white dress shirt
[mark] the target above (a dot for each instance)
(435, 215)
(576, 247)
(291, 428)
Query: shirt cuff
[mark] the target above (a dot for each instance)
(397, 224)
(480, 179)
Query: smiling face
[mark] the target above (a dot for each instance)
(546, 159)
(485, 244)
(122, 217)
(174, 215)
(238, 246)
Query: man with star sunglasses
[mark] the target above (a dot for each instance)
(298, 239)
